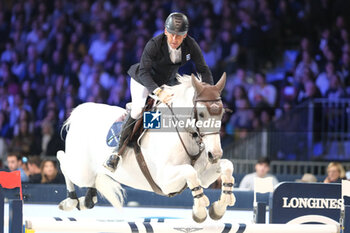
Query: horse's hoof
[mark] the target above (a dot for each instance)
(68, 204)
(213, 214)
(81, 205)
(198, 219)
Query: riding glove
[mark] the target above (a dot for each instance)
(164, 96)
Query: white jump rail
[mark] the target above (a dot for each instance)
(112, 226)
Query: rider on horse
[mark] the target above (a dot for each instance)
(162, 57)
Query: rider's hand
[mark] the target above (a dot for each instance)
(165, 96)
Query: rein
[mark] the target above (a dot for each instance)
(196, 134)
(199, 141)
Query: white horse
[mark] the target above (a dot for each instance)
(164, 153)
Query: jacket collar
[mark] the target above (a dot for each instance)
(166, 49)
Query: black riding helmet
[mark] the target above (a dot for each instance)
(177, 23)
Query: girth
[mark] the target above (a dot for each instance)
(145, 171)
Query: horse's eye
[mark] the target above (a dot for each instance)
(201, 115)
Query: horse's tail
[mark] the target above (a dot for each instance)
(66, 124)
(65, 127)
(110, 189)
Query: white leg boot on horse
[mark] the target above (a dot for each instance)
(174, 175)
(89, 200)
(71, 201)
(112, 163)
(218, 208)
(200, 204)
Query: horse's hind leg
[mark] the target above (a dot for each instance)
(72, 200)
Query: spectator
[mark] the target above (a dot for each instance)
(248, 35)
(336, 89)
(288, 90)
(262, 168)
(57, 65)
(8, 79)
(23, 140)
(100, 47)
(50, 173)
(310, 91)
(34, 163)
(227, 53)
(241, 78)
(5, 128)
(45, 79)
(65, 111)
(208, 53)
(335, 173)
(7, 55)
(5, 134)
(306, 62)
(265, 115)
(345, 69)
(323, 79)
(232, 97)
(48, 102)
(14, 163)
(242, 119)
(119, 94)
(307, 178)
(18, 66)
(49, 141)
(261, 92)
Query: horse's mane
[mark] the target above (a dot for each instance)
(185, 83)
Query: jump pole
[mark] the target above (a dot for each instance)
(43, 225)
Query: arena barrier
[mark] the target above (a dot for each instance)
(15, 220)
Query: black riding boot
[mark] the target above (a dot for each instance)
(112, 162)
(126, 131)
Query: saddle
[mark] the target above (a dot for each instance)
(138, 127)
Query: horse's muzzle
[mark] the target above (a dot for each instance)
(212, 158)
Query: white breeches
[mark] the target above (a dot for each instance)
(139, 95)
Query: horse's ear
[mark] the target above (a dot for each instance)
(196, 84)
(221, 83)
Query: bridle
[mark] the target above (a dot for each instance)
(196, 133)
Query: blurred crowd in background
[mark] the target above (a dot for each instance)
(57, 54)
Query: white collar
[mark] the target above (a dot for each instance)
(171, 49)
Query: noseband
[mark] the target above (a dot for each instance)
(211, 112)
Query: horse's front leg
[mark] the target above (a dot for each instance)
(227, 198)
(174, 175)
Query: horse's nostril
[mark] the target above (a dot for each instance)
(210, 155)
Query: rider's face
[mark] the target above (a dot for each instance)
(174, 40)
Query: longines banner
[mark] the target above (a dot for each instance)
(306, 203)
